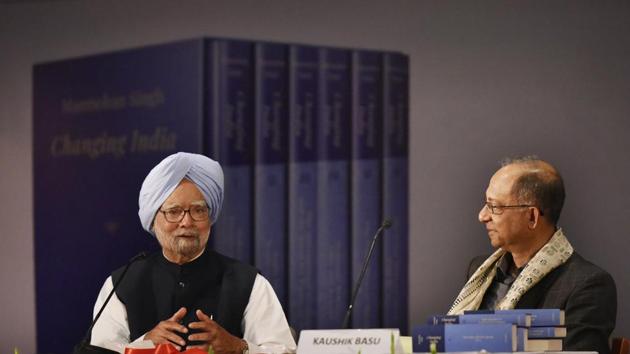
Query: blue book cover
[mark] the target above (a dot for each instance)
(396, 189)
(547, 332)
(519, 319)
(100, 123)
(302, 208)
(367, 103)
(465, 337)
(476, 337)
(333, 214)
(233, 134)
(540, 317)
(270, 216)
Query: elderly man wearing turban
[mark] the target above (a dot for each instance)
(188, 295)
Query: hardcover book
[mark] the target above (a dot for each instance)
(442, 319)
(522, 339)
(100, 123)
(333, 176)
(234, 131)
(465, 337)
(303, 156)
(547, 332)
(519, 319)
(540, 317)
(395, 189)
(544, 345)
(270, 217)
(367, 103)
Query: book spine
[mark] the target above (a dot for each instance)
(547, 332)
(270, 201)
(443, 319)
(302, 208)
(518, 319)
(232, 234)
(211, 123)
(541, 317)
(333, 214)
(367, 104)
(547, 317)
(395, 189)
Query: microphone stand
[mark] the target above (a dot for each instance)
(84, 347)
(385, 225)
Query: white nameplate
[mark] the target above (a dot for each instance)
(349, 341)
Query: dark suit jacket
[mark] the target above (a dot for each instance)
(585, 292)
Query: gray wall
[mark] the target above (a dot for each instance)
(489, 79)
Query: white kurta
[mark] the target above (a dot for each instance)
(264, 325)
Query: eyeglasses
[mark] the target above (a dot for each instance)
(197, 213)
(499, 209)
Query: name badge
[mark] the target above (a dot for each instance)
(350, 341)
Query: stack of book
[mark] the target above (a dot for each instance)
(522, 330)
(313, 141)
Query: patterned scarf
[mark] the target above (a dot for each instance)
(552, 255)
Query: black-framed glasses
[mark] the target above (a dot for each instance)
(499, 209)
(197, 213)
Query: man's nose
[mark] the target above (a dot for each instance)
(187, 220)
(484, 214)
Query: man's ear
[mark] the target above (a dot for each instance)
(534, 217)
(152, 227)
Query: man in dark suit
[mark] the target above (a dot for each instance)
(535, 265)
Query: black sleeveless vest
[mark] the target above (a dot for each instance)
(154, 289)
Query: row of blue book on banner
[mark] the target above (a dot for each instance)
(520, 330)
(313, 141)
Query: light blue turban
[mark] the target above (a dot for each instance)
(204, 172)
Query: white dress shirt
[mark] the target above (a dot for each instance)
(264, 325)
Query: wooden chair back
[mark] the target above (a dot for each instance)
(620, 345)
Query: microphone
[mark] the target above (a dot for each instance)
(84, 347)
(387, 223)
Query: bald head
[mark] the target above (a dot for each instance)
(538, 183)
